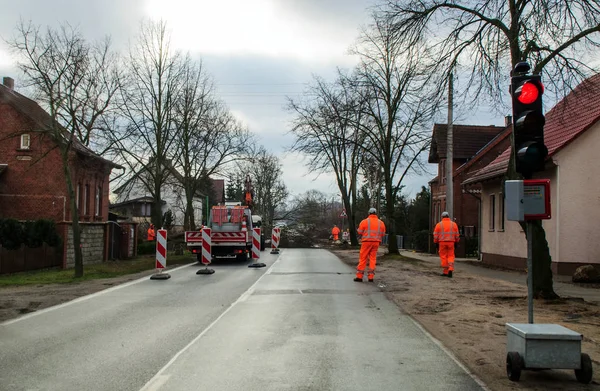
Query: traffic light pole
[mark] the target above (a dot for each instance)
(529, 228)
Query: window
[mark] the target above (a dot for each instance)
(98, 200)
(25, 141)
(492, 212)
(501, 212)
(86, 192)
(77, 195)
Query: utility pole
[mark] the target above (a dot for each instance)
(449, 152)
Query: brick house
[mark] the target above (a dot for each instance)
(474, 147)
(32, 181)
(572, 135)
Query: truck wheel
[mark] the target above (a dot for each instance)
(584, 375)
(199, 257)
(514, 364)
(262, 243)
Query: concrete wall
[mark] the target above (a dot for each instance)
(575, 206)
(578, 200)
(93, 244)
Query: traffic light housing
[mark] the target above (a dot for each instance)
(528, 121)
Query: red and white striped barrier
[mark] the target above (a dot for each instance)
(275, 235)
(255, 243)
(161, 249)
(161, 256)
(206, 244)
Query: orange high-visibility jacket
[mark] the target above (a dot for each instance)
(446, 231)
(151, 234)
(335, 231)
(372, 229)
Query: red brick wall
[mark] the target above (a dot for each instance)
(33, 186)
(466, 206)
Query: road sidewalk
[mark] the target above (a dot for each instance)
(562, 285)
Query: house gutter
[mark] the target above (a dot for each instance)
(557, 213)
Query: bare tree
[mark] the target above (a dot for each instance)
(208, 137)
(400, 109)
(270, 193)
(559, 38)
(75, 81)
(149, 98)
(327, 127)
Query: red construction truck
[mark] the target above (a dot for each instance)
(231, 230)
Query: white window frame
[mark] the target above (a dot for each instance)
(77, 194)
(85, 200)
(492, 217)
(98, 198)
(25, 141)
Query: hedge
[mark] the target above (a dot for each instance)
(14, 233)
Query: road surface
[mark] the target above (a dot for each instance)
(301, 323)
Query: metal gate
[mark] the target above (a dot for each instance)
(114, 240)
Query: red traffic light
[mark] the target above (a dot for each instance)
(529, 92)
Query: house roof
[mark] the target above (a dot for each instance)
(143, 200)
(486, 148)
(568, 119)
(42, 120)
(467, 140)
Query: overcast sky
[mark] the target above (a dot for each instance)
(258, 51)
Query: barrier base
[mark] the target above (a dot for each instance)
(205, 271)
(275, 251)
(160, 276)
(257, 264)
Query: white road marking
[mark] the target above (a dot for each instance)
(153, 384)
(84, 298)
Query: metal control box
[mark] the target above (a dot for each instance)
(527, 200)
(545, 345)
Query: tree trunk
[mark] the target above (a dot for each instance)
(543, 285)
(189, 211)
(390, 226)
(74, 217)
(157, 216)
(542, 263)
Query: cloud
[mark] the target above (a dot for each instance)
(260, 27)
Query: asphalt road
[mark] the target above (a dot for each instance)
(299, 324)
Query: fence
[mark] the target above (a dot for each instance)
(26, 259)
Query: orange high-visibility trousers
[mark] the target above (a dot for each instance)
(447, 256)
(368, 251)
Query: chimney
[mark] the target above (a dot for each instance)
(9, 82)
(508, 120)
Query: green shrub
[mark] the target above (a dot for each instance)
(421, 240)
(146, 248)
(11, 234)
(41, 231)
(31, 233)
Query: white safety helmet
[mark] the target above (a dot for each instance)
(372, 211)
(445, 214)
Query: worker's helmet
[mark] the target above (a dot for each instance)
(372, 211)
(445, 214)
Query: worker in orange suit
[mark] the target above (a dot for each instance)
(151, 233)
(445, 236)
(335, 232)
(371, 230)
